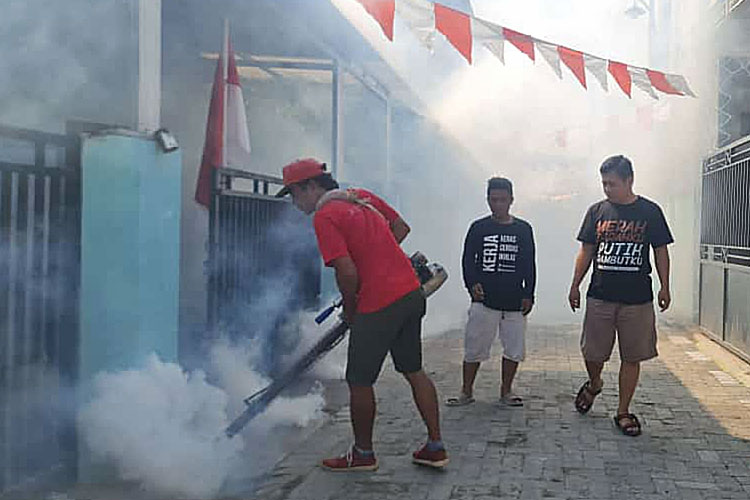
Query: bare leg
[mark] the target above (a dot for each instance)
(469, 375)
(594, 368)
(508, 373)
(362, 407)
(585, 398)
(629, 373)
(425, 396)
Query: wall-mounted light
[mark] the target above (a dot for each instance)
(166, 140)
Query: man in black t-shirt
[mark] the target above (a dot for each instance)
(617, 234)
(500, 276)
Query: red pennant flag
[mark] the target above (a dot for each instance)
(659, 82)
(456, 26)
(382, 11)
(212, 147)
(522, 42)
(621, 75)
(574, 60)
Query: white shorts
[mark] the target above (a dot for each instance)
(482, 327)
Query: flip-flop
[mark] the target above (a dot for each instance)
(632, 430)
(461, 400)
(511, 399)
(581, 404)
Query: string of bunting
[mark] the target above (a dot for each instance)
(464, 32)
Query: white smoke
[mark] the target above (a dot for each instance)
(550, 136)
(163, 427)
(232, 363)
(55, 63)
(332, 365)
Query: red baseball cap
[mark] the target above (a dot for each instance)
(298, 171)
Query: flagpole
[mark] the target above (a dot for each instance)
(224, 78)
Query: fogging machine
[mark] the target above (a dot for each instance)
(431, 276)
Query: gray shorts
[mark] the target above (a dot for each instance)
(397, 329)
(635, 326)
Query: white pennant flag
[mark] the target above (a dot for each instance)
(419, 15)
(236, 135)
(680, 83)
(641, 80)
(551, 55)
(236, 140)
(490, 35)
(597, 67)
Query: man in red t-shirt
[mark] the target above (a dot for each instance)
(359, 236)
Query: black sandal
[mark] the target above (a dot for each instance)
(633, 429)
(581, 404)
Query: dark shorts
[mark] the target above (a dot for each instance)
(397, 328)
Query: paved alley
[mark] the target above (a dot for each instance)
(694, 402)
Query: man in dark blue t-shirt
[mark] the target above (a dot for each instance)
(617, 234)
(500, 275)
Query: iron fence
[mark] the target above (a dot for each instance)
(725, 247)
(263, 262)
(39, 276)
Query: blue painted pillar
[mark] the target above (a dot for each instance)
(130, 253)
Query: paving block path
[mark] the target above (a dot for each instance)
(694, 402)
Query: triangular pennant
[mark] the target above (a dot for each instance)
(680, 83)
(549, 53)
(463, 30)
(597, 67)
(490, 35)
(574, 61)
(419, 15)
(456, 26)
(383, 12)
(620, 73)
(522, 42)
(641, 80)
(659, 82)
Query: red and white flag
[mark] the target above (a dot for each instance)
(464, 31)
(227, 141)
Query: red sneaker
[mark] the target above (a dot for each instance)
(351, 461)
(437, 459)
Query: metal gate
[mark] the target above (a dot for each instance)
(263, 262)
(725, 247)
(39, 276)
